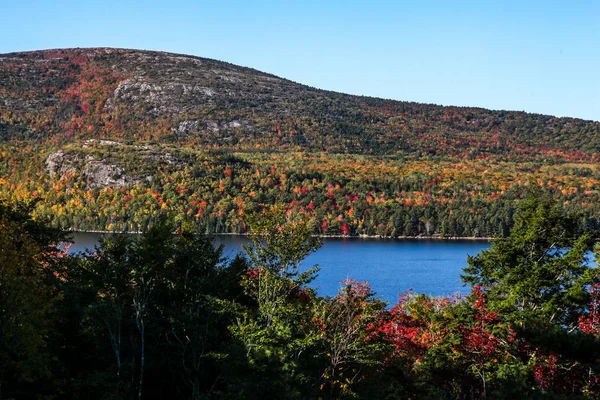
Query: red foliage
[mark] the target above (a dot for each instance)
(478, 344)
(354, 289)
(254, 273)
(552, 373)
(590, 323)
(545, 371)
(345, 230)
(410, 336)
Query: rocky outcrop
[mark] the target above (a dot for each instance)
(159, 97)
(108, 163)
(212, 126)
(186, 127)
(170, 97)
(99, 174)
(96, 173)
(58, 164)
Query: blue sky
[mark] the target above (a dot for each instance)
(536, 56)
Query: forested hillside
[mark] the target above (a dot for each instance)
(164, 315)
(105, 138)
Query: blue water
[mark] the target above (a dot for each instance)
(394, 266)
(390, 266)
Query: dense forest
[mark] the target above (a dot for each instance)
(163, 314)
(102, 139)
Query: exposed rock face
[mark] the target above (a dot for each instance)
(193, 126)
(172, 97)
(154, 96)
(186, 127)
(99, 174)
(101, 142)
(96, 173)
(57, 164)
(212, 126)
(176, 84)
(108, 163)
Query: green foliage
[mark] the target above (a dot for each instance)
(189, 146)
(93, 93)
(279, 243)
(539, 272)
(344, 325)
(24, 304)
(162, 314)
(277, 334)
(343, 194)
(28, 257)
(154, 307)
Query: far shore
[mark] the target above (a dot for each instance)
(402, 237)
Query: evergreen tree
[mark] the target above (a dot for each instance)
(539, 272)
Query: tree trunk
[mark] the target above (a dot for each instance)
(142, 357)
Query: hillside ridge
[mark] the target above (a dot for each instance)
(88, 92)
(168, 53)
(110, 139)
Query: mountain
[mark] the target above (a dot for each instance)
(112, 93)
(212, 140)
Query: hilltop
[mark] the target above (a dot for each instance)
(108, 138)
(133, 94)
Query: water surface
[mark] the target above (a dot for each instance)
(390, 266)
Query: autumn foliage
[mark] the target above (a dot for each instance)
(198, 137)
(179, 147)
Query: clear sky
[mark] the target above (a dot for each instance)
(536, 56)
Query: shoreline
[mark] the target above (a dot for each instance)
(362, 236)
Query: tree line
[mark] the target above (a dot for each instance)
(164, 314)
(343, 194)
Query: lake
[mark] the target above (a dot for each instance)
(391, 266)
